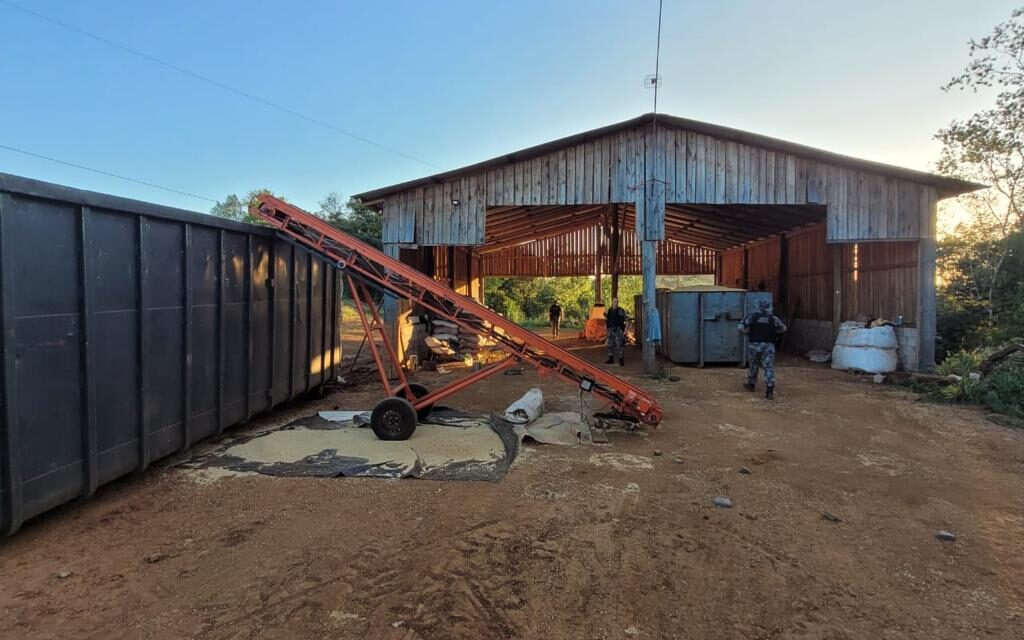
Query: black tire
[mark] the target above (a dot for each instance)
(393, 419)
(419, 391)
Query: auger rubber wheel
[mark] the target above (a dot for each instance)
(393, 419)
(419, 391)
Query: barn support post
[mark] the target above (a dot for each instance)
(390, 307)
(837, 288)
(649, 251)
(616, 250)
(926, 249)
(926, 328)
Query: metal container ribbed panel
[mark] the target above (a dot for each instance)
(133, 330)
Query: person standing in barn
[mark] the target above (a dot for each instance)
(761, 328)
(615, 324)
(555, 316)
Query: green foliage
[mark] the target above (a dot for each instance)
(526, 300)
(981, 264)
(1001, 391)
(961, 363)
(234, 208)
(352, 217)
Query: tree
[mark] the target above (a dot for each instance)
(352, 217)
(234, 208)
(987, 147)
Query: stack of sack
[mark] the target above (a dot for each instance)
(873, 349)
(444, 338)
(448, 339)
(469, 343)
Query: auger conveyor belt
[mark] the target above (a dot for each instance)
(365, 266)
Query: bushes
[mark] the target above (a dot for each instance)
(1001, 391)
(526, 300)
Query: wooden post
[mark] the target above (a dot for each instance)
(837, 288)
(650, 228)
(926, 248)
(597, 262)
(616, 250)
(926, 326)
(649, 251)
(744, 278)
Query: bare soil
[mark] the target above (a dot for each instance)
(609, 541)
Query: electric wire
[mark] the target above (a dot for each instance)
(105, 173)
(221, 85)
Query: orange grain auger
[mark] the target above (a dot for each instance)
(395, 417)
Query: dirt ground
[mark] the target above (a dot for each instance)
(610, 541)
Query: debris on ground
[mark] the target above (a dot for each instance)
(745, 471)
(341, 416)
(722, 502)
(946, 536)
(527, 408)
(62, 575)
(831, 517)
(153, 558)
(563, 428)
(453, 447)
(657, 452)
(819, 355)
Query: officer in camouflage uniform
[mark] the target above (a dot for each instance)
(761, 329)
(615, 324)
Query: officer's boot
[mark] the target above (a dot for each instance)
(622, 362)
(770, 392)
(749, 386)
(610, 360)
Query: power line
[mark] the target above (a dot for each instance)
(216, 83)
(105, 173)
(657, 63)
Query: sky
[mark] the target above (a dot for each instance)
(451, 83)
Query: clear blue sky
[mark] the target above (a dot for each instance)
(455, 83)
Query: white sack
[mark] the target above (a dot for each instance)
(526, 409)
(883, 337)
(865, 359)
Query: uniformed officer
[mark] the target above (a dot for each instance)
(615, 324)
(761, 329)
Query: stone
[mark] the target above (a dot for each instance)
(722, 502)
(64, 574)
(678, 460)
(153, 558)
(657, 452)
(879, 378)
(674, 378)
(745, 471)
(946, 536)
(831, 517)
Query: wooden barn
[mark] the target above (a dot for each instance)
(829, 235)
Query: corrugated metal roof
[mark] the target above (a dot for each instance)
(945, 185)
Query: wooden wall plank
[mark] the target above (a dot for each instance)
(861, 205)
